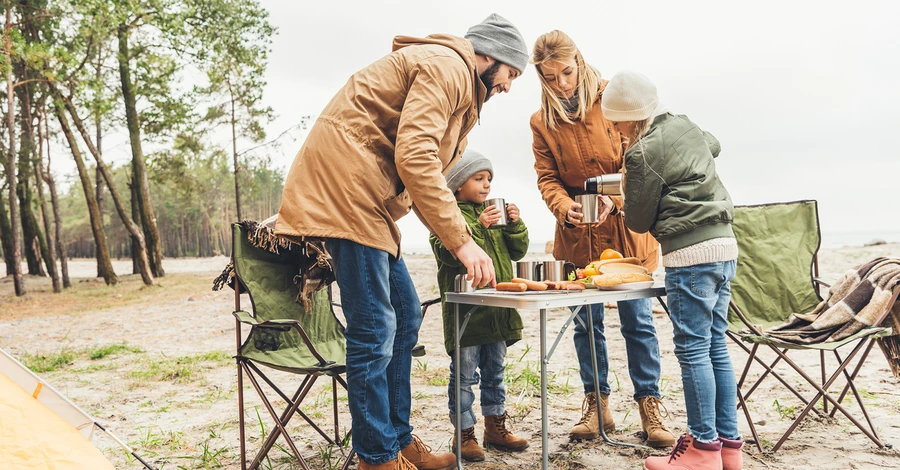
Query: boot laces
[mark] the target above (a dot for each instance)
(500, 424)
(588, 408)
(469, 435)
(654, 415)
(680, 447)
(421, 447)
(405, 464)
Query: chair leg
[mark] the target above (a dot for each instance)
(769, 369)
(240, 386)
(822, 393)
(743, 405)
(852, 386)
(822, 363)
(852, 377)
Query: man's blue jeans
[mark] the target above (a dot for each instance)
(383, 316)
(641, 346)
(489, 359)
(698, 299)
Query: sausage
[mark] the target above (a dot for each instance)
(573, 285)
(511, 286)
(531, 285)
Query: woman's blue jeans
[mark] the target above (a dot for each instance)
(383, 316)
(641, 346)
(489, 359)
(698, 299)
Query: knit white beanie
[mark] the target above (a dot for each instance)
(629, 96)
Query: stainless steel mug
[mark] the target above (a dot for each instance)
(461, 284)
(500, 204)
(590, 207)
(531, 270)
(558, 270)
(608, 185)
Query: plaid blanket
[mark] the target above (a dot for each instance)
(316, 269)
(858, 300)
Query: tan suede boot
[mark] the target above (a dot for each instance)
(420, 455)
(658, 435)
(496, 434)
(399, 463)
(471, 451)
(589, 427)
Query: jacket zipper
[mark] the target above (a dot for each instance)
(612, 143)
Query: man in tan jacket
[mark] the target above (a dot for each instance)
(379, 149)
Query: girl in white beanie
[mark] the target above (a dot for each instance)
(673, 191)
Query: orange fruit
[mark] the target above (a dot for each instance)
(609, 253)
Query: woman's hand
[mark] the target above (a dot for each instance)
(490, 216)
(573, 216)
(513, 212)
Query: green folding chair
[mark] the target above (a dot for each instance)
(777, 274)
(284, 337)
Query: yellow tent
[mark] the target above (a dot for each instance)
(42, 429)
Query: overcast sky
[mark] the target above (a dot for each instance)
(803, 95)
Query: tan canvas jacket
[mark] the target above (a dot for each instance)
(381, 146)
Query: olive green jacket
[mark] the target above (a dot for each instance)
(487, 325)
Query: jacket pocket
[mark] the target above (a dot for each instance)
(398, 206)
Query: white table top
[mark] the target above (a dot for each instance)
(551, 299)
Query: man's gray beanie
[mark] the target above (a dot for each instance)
(471, 162)
(496, 37)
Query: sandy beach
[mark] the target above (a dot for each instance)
(165, 382)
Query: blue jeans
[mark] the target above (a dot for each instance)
(641, 347)
(698, 299)
(489, 359)
(383, 316)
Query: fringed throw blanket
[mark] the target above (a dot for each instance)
(316, 269)
(855, 302)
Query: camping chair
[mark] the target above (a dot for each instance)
(284, 337)
(777, 274)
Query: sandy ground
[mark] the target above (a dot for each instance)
(170, 388)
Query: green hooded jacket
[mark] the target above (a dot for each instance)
(487, 324)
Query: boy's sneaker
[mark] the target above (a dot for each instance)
(732, 454)
(496, 434)
(689, 454)
(471, 451)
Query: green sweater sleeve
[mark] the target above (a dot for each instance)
(516, 237)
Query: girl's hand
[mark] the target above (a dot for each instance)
(490, 216)
(606, 209)
(513, 212)
(572, 216)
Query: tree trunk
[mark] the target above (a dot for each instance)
(54, 201)
(133, 229)
(51, 250)
(18, 280)
(36, 250)
(7, 235)
(237, 166)
(135, 215)
(139, 169)
(96, 225)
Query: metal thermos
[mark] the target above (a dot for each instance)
(500, 204)
(607, 185)
(531, 270)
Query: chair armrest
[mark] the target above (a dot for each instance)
(820, 282)
(283, 325)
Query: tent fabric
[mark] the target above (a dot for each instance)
(777, 245)
(35, 437)
(269, 278)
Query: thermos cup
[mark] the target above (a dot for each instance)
(499, 203)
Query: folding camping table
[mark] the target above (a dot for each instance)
(543, 301)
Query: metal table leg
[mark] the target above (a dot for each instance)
(460, 328)
(545, 448)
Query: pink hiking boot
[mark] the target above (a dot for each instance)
(689, 454)
(732, 455)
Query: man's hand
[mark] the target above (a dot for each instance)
(479, 265)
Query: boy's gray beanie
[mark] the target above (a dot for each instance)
(471, 162)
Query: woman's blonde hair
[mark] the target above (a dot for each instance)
(557, 46)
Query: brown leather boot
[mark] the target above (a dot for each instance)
(420, 455)
(471, 451)
(496, 434)
(399, 463)
(588, 427)
(658, 435)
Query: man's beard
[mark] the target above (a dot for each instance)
(487, 77)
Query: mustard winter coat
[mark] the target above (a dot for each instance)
(381, 145)
(564, 159)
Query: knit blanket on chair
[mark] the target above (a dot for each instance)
(858, 300)
(316, 269)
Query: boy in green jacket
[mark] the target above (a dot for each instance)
(490, 330)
